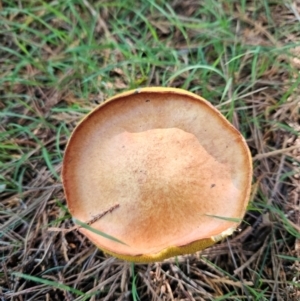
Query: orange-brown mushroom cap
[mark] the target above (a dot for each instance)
(179, 172)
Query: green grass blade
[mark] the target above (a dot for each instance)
(86, 226)
(229, 219)
(49, 282)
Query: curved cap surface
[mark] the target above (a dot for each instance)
(170, 172)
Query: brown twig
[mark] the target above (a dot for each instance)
(89, 222)
(100, 215)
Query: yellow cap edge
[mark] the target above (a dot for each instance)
(173, 250)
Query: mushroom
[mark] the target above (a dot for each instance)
(159, 169)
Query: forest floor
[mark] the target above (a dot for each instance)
(60, 59)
